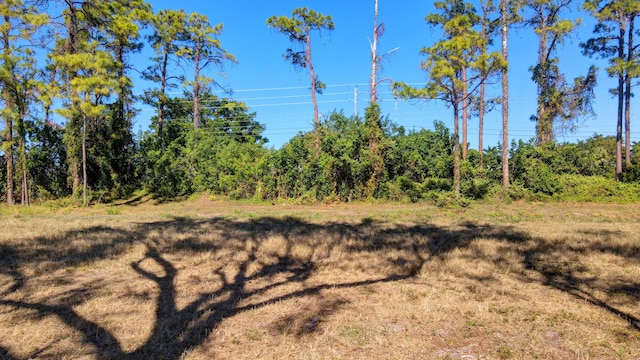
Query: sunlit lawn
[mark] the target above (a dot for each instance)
(205, 279)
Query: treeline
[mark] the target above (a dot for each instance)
(417, 165)
(227, 157)
(71, 60)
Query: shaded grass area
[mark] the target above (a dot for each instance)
(261, 282)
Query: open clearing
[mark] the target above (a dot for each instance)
(204, 279)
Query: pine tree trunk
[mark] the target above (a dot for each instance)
(122, 89)
(84, 159)
(456, 150)
(505, 97)
(71, 18)
(481, 124)
(74, 168)
(312, 75)
(163, 85)
(544, 128)
(314, 99)
(482, 105)
(196, 92)
(621, 82)
(120, 126)
(25, 186)
(464, 113)
(8, 138)
(22, 150)
(627, 96)
(9, 106)
(372, 115)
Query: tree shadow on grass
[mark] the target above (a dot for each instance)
(563, 267)
(274, 268)
(9, 268)
(5, 354)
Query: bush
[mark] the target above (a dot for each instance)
(476, 188)
(515, 192)
(393, 191)
(436, 184)
(409, 188)
(541, 179)
(518, 192)
(236, 194)
(597, 189)
(445, 199)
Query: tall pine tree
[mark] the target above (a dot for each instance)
(19, 25)
(203, 49)
(446, 64)
(613, 40)
(560, 103)
(298, 28)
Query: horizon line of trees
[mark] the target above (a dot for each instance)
(202, 142)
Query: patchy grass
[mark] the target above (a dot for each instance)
(215, 279)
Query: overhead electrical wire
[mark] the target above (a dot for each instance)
(405, 118)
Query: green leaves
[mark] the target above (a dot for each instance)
(202, 41)
(95, 78)
(300, 24)
(613, 19)
(298, 28)
(202, 48)
(559, 105)
(460, 47)
(614, 39)
(456, 65)
(19, 29)
(221, 156)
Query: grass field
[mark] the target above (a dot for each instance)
(205, 279)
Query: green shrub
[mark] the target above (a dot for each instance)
(409, 188)
(518, 192)
(236, 194)
(476, 188)
(597, 189)
(309, 197)
(43, 194)
(114, 210)
(393, 191)
(540, 178)
(436, 184)
(448, 199)
(515, 192)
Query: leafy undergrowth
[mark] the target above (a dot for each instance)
(207, 279)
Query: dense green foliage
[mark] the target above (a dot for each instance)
(200, 142)
(417, 164)
(220, 156)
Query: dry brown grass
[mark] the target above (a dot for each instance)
(201, 279)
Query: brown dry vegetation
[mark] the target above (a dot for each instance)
(204, 279)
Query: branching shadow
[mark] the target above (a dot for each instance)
(9, 269)
(5, 354)
(178, 329)
(561, 267)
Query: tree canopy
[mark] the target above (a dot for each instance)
(67, 109)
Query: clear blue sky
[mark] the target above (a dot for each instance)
(281, 97)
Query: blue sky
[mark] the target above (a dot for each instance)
(281, 97)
